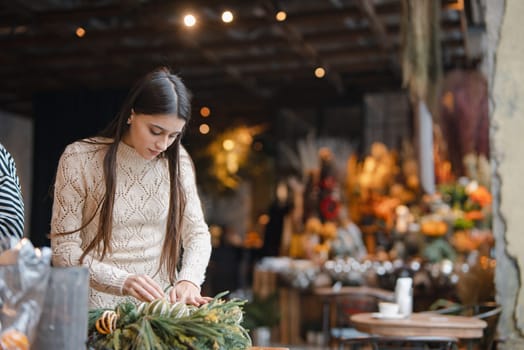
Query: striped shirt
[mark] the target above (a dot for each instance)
(11, 203)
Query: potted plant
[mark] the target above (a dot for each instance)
(260, 316)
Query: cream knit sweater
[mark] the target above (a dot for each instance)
(139, 219)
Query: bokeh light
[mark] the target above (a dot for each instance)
(227, 16)
(205, 112)
(204, 129)
(281, 16)
(189, 20)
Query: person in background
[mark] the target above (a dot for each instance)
(278, 210)
(226, 262)
(11, 202)
(126, 203)
(349, 238)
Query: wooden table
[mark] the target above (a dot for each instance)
(421, 324)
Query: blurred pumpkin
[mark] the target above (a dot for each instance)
(329, 230)
(481, 196)
(463, 242)
(474, 215)
(322, 247)
(434, 228)
(313, 225)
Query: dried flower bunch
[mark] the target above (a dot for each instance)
(161, 325)
(13, 339)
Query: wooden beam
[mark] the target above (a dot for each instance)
(297, 42)
(232, 71)
(377, 26)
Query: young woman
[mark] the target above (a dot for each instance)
(126, 203)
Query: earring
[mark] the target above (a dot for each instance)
(129, 121)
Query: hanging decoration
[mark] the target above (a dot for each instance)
(422, 72)
(421, 53)
(464, 118)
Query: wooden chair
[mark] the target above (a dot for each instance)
(340, 304)
(490, 314)
(488, 311)
(343, 307)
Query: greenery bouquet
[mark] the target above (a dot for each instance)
(161, 325)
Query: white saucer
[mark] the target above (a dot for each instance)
(388, 317)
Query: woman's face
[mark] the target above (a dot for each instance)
(151, 135)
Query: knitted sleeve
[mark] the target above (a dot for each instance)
(11, 203)
(71, 197)
(196, 239)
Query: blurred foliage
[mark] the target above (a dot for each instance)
(235, 155)
(262, 312)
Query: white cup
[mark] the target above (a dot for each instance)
(388, 309)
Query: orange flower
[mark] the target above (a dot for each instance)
(474, 215)
(434, 228)
(481, 196)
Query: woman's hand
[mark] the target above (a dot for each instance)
(187, 293)
(142, 287)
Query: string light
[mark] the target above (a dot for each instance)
(80, 32)
(320, 72)
(189, 20)
(281, 16)
(205, 112)
(204, 129)
(227, 16)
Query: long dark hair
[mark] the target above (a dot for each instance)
(159, 92)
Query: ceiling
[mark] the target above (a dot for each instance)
(248, 65)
